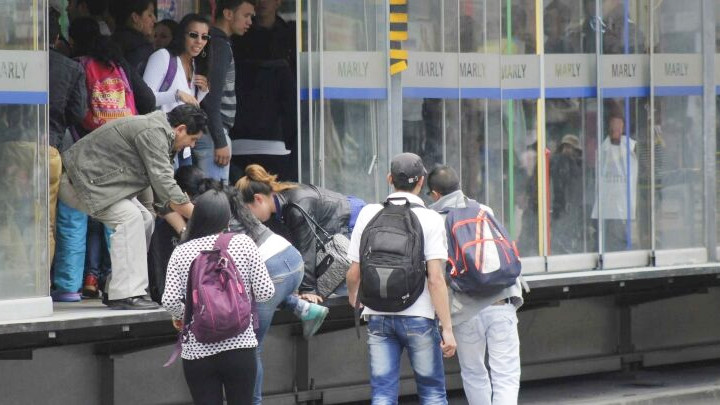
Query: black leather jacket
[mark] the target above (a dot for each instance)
(330, 209)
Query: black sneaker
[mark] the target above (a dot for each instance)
(132, 303)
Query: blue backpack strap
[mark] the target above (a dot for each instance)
(170, 74)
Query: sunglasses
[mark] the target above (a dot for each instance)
(195, 35)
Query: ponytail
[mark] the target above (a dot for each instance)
(258, 181)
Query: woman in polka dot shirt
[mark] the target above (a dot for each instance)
(229, 365)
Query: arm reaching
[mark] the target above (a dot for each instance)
(439, 297)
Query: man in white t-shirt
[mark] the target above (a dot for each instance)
(618, 176)
(415, 327)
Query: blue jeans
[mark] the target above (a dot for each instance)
(69, 264)
(204, 154)
(388, 336)
(97, 256)
(286, 271)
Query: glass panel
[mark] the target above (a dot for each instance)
(518, 131)
(624, 189)
(23, 152)
(311, 158)
(570, 124)
(480, 169)
(354, 100)
(431, 107)
(717, 114)
(678, 135)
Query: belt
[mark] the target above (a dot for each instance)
(503, 301)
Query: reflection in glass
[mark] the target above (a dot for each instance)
(23, 162)
(618, 177)
(351, 127)
(717, 119)
(570, 133)
(424, 118)
(518, 136)
(23, 204)
(479, 26)
(624, 179)
(678, 136)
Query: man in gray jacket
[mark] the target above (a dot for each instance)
(481, 322)
(105, 172)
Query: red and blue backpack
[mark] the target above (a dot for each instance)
(482, 257)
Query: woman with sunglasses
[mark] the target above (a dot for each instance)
(186, 82)
(178, 74)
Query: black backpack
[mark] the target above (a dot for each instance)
(392, 258)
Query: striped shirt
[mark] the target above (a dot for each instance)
(220, 103)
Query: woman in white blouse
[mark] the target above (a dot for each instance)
(229, 365)
(185, 79)
(189, 84)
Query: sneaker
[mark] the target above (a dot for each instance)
(314, 318)
(90, 286)
(132, 303)
(65, 296)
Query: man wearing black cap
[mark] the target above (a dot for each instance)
(486, 322)
(415, 327)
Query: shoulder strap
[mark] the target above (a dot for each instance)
(223, 240)
(123, 76)
(312, 223)
(170, 74)
(407, 202)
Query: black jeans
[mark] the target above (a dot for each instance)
(232, 370)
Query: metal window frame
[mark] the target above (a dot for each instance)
(570, 262)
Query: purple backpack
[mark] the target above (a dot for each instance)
(217, 305)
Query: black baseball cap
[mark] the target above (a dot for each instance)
(407, 168)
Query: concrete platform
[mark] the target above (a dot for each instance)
(696, 383)
(689, 384)
(86, 313)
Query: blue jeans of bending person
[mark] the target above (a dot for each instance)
(204, 154)
(388, 336)
(97, 256)
(286, 271)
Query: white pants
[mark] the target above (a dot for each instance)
(495, 329)
(132, 225)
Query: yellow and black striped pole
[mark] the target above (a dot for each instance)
(398, 34)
